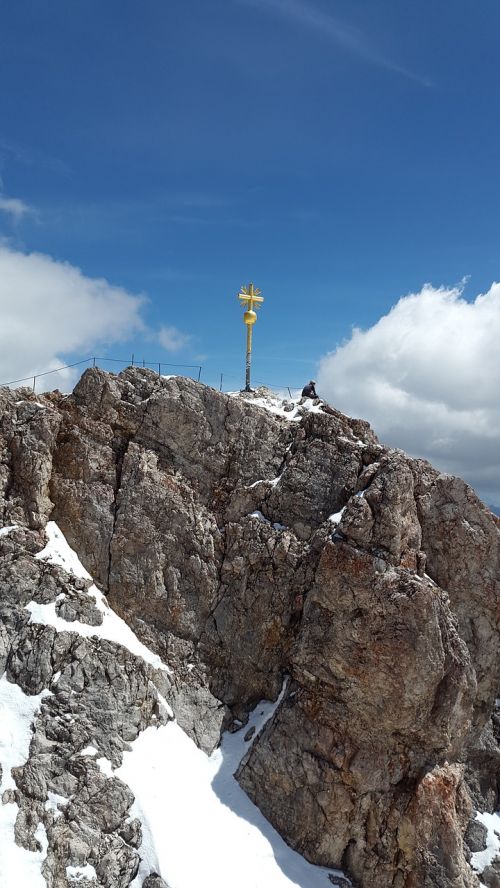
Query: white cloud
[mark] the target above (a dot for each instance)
(172, 339)
(14, 207)
(427, 376)
(50, 309)
(338, 32)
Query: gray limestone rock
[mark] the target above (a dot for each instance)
(101, 696)
(131, 832)
(330, 769)
(28, 429)
(154, 881)
(461, 540)
(118, 866)
(491, 875)
(204, 518)
(475, 836)
(78, 607)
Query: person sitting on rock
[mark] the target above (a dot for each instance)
(309, 390)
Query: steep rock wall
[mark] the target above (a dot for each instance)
(206, 519)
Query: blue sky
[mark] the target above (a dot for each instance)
(340, 154)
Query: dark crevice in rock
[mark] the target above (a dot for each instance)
(120, 451)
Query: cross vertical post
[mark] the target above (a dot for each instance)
(251, 300)
(248, 362)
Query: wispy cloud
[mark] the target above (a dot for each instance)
(172, 339)
(14, 207)
(29, 156)
(331, 28)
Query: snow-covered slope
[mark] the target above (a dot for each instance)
(17, 711)
(198, 826)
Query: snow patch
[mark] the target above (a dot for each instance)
(163, 703)
(259, 481)
(41, 836)
(275, 405)
(481, 859)
(4, 531)
(57, 551)
(336, 517)
(271, 481)
(55, 802)
(260, 516)
(81, 872)
(180, 793)
(17, 712)
(89, 750)
(105, 766)
(113, 628)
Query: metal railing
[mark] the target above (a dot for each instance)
(259, 382)
(221, 379)
(95, 361)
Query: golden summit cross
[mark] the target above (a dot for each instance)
(251, 300)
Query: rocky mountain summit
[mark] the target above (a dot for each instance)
(253, 550)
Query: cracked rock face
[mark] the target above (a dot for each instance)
(95, 698)
(359, 730)
(242, 545)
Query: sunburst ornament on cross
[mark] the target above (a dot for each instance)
(251, 300)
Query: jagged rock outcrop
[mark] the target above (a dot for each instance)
(242, 545)
(383, 689)
(95, 698)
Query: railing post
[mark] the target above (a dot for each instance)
(94, 362)
(220, 387)
(34, 383)
(199, 373)
(289, 392)
(159, 369)
(132, 360)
